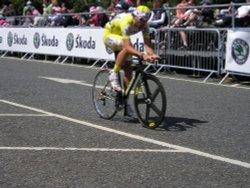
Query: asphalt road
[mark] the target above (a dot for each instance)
(50, 135)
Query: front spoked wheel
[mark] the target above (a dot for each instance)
(103, 96)
(150, 101)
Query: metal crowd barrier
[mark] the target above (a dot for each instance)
(205, 50)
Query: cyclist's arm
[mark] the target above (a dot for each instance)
(149, 50)
(147, 45)
(127, 45)
(130, 49)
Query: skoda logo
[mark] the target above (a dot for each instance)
(70, 41)
(10, 39)
(240, 51)
(36, 40)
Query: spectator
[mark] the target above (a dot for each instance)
(29, 11)
(56, 18)
(99, 18)
(4, 10)
(158, 15)
(64, 9)
(224, 17)
(9, 12)
(180, 16)
(112, 8)
(180, 8)
(42, 20)
(120, 6)
(79, 19)
(206, 12)
(28, 19)
(3, 22)
(138, 3)
(190, 17)
(219, 11)
(125, 5)
(243, 16)
(29, 7)
(185, 17)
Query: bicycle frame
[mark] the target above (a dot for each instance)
(139, 72)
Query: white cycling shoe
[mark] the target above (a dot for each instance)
(114, 81)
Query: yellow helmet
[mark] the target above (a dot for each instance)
(143, 8)
(142, 13)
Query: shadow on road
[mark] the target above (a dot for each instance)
(168, 124)
(179, 123)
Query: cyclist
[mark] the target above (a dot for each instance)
(117, 34)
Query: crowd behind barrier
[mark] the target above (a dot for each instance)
(184, 14)
(188, 36)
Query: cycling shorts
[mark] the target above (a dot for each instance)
(113, 41)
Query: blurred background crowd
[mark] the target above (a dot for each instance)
(165, 13)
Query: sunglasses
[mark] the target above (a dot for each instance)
(144, 19)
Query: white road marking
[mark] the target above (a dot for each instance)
(91, 149)
(207, 83)
(67, 81)
(136, 137)
(28, 115)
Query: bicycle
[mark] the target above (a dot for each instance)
(150, 100)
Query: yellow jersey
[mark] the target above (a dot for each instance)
(122, 25)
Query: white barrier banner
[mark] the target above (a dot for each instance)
(89, 43)
(17, 40)
(77, 42)
(238, 51)
(32, 40)
(46, 40)
(81, 42)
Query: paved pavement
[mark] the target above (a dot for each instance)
(50, 135)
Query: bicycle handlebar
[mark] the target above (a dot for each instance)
(141, 61)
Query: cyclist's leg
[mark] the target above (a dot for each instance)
(114, 42)
(127, 73)
(128, 70)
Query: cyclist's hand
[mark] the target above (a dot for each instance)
(146, 57)
(155, 57)
(151, 58)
